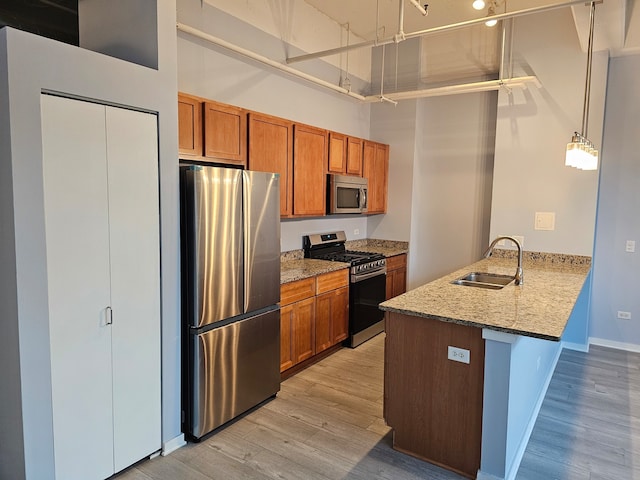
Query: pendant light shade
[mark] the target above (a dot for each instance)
(581, 153)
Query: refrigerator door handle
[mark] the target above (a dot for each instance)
(108, 316)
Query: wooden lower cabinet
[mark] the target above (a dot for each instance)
(297, 340)
(434, 404)
(332, 318)
(314, 316)
(396, 276)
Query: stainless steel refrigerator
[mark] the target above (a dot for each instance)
(230, 232)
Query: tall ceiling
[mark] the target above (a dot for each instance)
(617, 21)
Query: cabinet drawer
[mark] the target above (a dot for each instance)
(331, 281)
(298, 290)
(397, 261)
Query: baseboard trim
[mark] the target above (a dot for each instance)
(603, 342)
(577, 347)
(172, 445)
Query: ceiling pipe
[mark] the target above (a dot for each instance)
(266, 61)
(430, 31)
(517, 82)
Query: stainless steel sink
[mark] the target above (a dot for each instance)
(492, 281)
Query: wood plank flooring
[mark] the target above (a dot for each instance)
(589, 424)
(326, 423)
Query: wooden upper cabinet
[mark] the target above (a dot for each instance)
(309, 170)
(225, 133)
(337, 153)
(345, 154)
(271, 150)
(189, 125)
(354, 156)
(376, 168)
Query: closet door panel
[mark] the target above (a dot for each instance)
(132, 153)
(77, 235)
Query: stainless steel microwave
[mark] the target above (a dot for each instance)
(346, 194)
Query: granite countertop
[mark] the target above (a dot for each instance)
(540, 307)
(293, 265)
(299, 269)
(388, 248)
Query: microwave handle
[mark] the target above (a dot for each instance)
(363, 198)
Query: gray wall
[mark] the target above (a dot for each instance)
(615, 271)
(439, 179)
(34, 64)
(533, 128)
(11, 434)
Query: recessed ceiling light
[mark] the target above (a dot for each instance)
(491, 23)
(478, 4)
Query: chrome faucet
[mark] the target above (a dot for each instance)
(519, 276)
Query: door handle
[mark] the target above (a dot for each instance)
(108, 316)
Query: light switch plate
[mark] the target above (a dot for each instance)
(458, 354)
(630, 246)
(545, 221)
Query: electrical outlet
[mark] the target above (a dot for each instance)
(630, 246)
(520, 239)
(458, 354)
(624, 315)
(356, 231)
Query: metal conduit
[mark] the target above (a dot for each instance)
(421, 33)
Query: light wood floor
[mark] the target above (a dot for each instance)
(326, 423)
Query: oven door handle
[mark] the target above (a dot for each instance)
(364, 276)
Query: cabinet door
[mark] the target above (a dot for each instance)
(271, 150)
(77, 232)
(286, 345)
(225, 133)
(396, 276)
(189, 125)
(323, 321)
(102, 224)
(309, 171)
(332, 318)
(354, 156)
(304, 318)
(340, 315)
(337, 153)
(376, 164)
(134, 229)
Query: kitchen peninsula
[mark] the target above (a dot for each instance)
(466, 368)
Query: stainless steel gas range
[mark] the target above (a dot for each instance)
(367, 282)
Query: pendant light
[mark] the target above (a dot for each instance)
(581, 152)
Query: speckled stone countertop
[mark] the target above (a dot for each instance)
(540, 307)
(293, 265)
(299, 269)
(388, 248)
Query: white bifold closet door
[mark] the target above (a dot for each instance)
(100, 173)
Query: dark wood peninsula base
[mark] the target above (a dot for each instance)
(434, 404)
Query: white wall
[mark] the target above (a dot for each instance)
(615, 271)
(215, 73)
(396, 126)
(32, 64)
(300, 26)
(441, 152)
(533, 128)
(452, 183)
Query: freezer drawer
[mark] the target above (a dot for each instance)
(234, 368)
